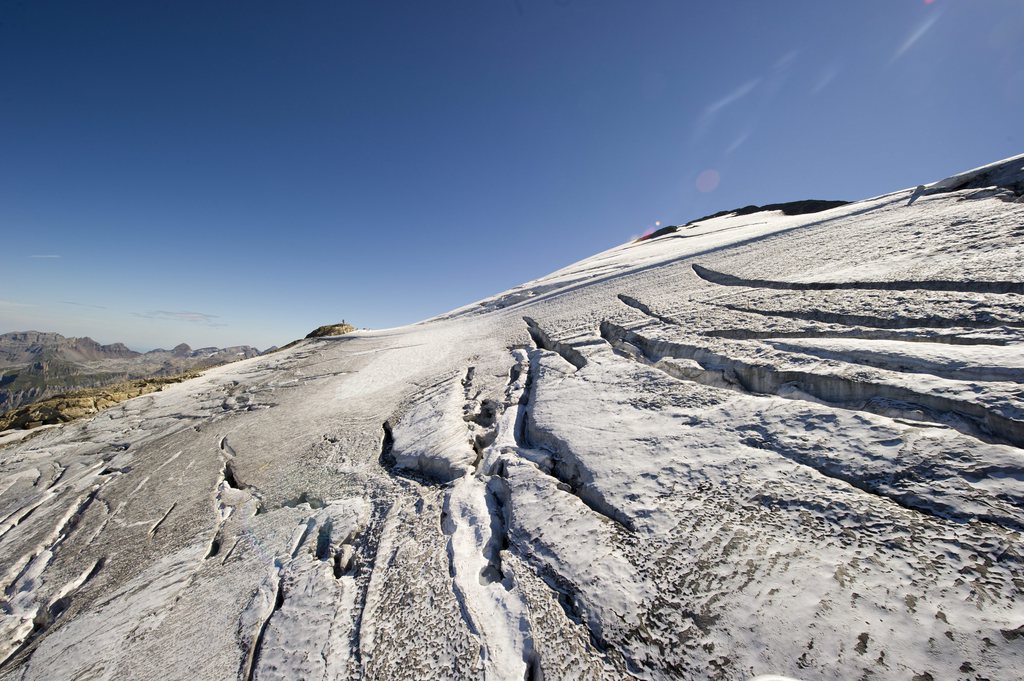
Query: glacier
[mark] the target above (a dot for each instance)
(762, 445)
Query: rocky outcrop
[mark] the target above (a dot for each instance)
(331, 330)
(788, 208)
(82, 403)
(804, 207)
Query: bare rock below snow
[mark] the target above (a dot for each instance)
(331, 330)
(82, 403)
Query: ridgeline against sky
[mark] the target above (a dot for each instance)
(223, 173)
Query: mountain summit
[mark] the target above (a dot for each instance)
(759, 444)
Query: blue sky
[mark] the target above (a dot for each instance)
(241, 172)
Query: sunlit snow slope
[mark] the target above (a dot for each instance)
(760, 445)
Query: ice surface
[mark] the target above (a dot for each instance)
(763, 446)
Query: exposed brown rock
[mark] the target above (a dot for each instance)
(332, 330)
(83, 403)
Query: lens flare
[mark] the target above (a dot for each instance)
(708, 181)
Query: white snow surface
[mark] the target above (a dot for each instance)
(764, 446)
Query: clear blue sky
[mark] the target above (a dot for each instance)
(241, 172)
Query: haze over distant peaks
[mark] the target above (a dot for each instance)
(36, 364)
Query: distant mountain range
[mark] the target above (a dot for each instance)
(35, 365)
